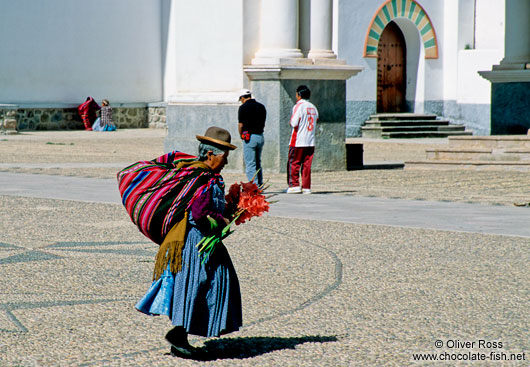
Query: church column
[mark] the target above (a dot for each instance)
(517, 29)
(321, 30)
(279, 31)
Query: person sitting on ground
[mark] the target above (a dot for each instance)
(104, 122)
(87, 111)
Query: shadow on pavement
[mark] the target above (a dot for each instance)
(241, 348)
(317, 192)
(345, 192)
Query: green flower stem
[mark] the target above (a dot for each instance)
(207, 245)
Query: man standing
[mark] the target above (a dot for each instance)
(252, 116)
(302, 146)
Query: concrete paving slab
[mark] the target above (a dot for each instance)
(59, 187)
(64, 165)
(451, 216)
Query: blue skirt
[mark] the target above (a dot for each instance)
(203, 298)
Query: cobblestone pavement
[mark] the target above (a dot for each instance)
(315, 293)
(92, 154)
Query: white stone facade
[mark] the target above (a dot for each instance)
(61, 51)
(196, 52)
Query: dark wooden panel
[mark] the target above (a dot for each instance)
(391, 70)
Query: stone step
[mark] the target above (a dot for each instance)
(478, 154)
(403, 133)
(454, 127)
(410, 125)
(457, 154)
(406, 122)
(506, 142)
(402, 116)
(463, 164)
(423, 134)
(402, 128)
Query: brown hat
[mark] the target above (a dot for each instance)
(217, 136)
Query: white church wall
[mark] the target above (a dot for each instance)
(485, 47)
(488, 50)
(465, 97)
(472, 105)
(466, 24)
(449, 47)
(489, 29)
(208, 37)
(472, 88)
(59, 52)
(353, 20)
(211, 47)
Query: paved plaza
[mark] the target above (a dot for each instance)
(378, 268)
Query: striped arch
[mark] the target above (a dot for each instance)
(409, 9)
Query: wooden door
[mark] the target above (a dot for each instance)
(391, 70)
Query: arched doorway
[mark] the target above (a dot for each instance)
(391, 70)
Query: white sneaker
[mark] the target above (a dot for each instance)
(294, 190)
(306, 191)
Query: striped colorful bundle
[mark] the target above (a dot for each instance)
(157, 193)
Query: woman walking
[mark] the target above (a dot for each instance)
(201, 296)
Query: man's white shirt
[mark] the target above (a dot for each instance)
(303, 120)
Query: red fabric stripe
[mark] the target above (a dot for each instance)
(133, 198)
(150, 190)
(293, 137)
(295, 130)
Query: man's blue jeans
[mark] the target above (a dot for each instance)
(252, 155)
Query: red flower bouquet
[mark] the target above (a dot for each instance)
(247, 201)
(250, 201)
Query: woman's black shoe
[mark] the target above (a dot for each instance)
(198, 354)
(178, 338)
(182, 352)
